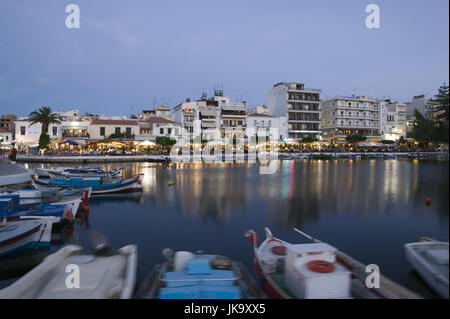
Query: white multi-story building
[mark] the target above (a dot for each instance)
(158, 126)
(349, 115)
(393, 121)
(267, 122)
(300, 105)
(28, 134)
(211, 117)
(5, 137)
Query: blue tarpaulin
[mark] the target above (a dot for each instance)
(68, 142)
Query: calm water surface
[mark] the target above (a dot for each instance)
(368, 209)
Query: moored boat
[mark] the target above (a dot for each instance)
(198, 276)
(25, 235)
(99, 185)
(107, 275)
(314, 271)
(76, 172)
(429, 259)
(13, 210)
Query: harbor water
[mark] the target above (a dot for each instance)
(367, 208)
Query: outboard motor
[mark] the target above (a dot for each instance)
(99, 242)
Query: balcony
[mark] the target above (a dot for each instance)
(77, 135)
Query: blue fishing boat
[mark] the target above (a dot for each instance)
(11, 209)
(99, 185)
(78, 172)
(199, 276)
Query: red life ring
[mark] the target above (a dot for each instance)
(321, 266)
(279, 250)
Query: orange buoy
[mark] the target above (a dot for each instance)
(320, 266)
(428, 201)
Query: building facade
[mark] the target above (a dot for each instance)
(158, 126)
(28, 134)
(7, 123)
(351, 115)
(211, 117)
(5, 138)
(99, 129)
(300, 105)
(159, 111)
(393, 121)
(258, 121)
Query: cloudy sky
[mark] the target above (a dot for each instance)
(129, 55)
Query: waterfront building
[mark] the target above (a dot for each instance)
(185, 114)
(76, 131)
(5, 138)
(393, 121)
(158, 126)
(349, 115)
(300, 105)
(260, 109)
(422, 104)
(99, 129)
(7, 123)
(27, 134)
(210, 117)
(159, 111)
(266, 122)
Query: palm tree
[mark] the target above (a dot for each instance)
(45, 116)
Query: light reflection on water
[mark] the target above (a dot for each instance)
(367, 208)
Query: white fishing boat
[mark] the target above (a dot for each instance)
(430, 259)
(45, 172)
(26, 234)
(314, 270)
(110, 275)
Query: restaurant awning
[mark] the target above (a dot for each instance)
(147, 143)
(68, 142)
(371, 144)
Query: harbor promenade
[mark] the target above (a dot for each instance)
(166, 158)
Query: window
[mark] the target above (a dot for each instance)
(128, 131)
(117, 130)
(161, 130)
(102, 131)
(22, 130)
(55, 130)
(6, 137)
(169, 130)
